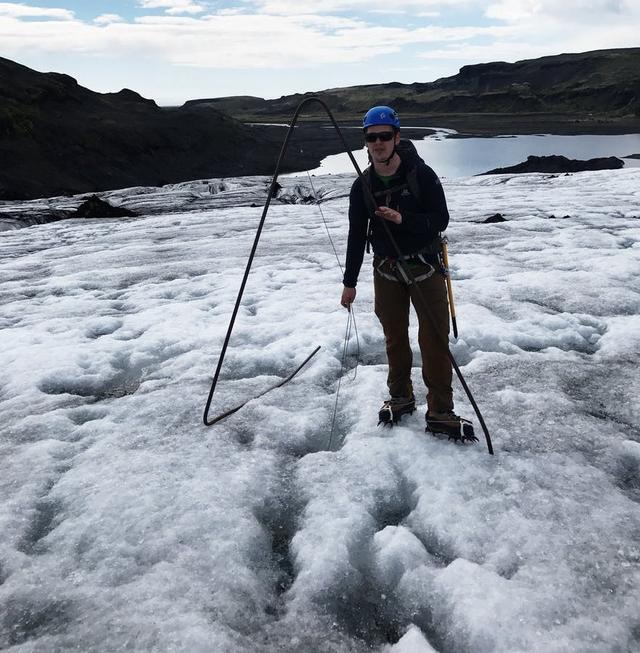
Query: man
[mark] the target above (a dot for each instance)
(410, 202)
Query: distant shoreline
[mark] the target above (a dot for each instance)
(314, 138)
(486, 124)
(479, 125)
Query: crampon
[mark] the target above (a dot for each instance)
(456, 428)
(393, 409)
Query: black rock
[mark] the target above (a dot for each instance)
(556, 163)
(94, 207)
(496, 217)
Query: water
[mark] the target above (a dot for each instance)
(461, 157)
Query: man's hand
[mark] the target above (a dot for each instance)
(389, 214)
(348, 295)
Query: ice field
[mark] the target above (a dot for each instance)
(127, 525)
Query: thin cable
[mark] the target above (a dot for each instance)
(351, 319)
(345, 346)
(326, 226)
(352, 315)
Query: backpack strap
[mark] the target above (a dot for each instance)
(408, 153)
(367, 193)
(412, 182)
(386, 192)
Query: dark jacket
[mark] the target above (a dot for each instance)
(423, 217)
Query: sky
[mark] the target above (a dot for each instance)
(175, 50)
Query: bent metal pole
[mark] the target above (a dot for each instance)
(372, 206)
(270, 194)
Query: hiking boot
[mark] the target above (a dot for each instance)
(448, 423)
(393, 409)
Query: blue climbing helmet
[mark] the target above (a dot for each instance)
(381, 115)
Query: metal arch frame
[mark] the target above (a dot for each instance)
(372, 206)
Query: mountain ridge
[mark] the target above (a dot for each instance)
(605, 83)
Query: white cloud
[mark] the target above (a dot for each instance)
(232, 40)
(230, 12)
(255, 41)
(173, 6)
(106, 19)
(568, 12)
(539, 28)
(17, 10)
(499, 51)
(290, 7)
(248, 41)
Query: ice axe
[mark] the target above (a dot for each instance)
(447, 276)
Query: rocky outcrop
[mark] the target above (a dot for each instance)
(557, 163)
(47, 211)
(494, 219)
(94, 207)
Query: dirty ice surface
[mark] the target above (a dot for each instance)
(126, 525)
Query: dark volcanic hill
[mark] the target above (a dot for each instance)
(57, 137)
(599, 85)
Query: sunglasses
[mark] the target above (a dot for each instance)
(383, 136)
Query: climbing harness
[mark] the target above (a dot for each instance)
(397, 268)
(372, 206)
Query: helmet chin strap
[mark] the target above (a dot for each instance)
(393, 153)
(385, 161)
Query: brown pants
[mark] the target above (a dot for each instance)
(392, 308)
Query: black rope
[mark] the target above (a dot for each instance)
(279, 384)
(270, 194)
(372, 205)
